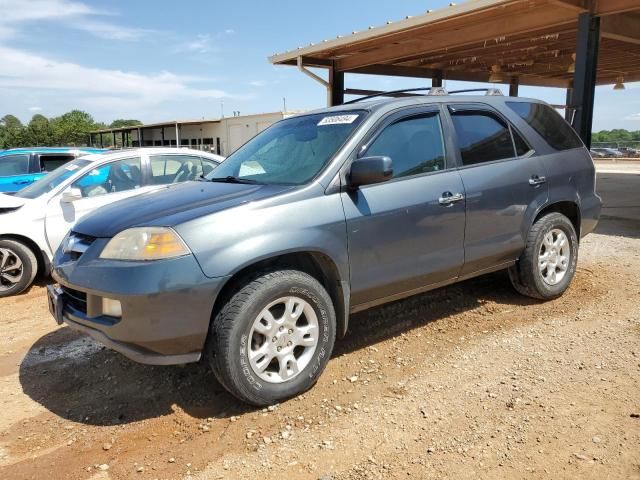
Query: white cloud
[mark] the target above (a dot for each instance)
(633, 116)
(23, 70)
(229, 31)
(257, 83)
(35, 109)
(77, 15)
(200, 44)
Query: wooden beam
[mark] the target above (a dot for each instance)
(609, 7)
(471, 32)
(624, 27)
(575, 5)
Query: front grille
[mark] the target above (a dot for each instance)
(76, 299)
(76, 244)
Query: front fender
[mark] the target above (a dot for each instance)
(228, 241)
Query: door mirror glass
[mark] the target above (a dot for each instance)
(368, 170)
(71, 194)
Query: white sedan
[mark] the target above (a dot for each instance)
(35, 220)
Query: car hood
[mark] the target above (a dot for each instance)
(9, 201)
(172, 205)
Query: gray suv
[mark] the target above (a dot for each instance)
(258, 266)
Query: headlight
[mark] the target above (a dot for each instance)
(145, 243)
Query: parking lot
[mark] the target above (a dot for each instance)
(467, 381)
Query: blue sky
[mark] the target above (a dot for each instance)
(161, 60)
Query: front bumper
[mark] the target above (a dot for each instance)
(166, 304)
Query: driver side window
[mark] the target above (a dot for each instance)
(118, 176)
(415, 145)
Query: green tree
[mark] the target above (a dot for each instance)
(124, 123)
(39, 132)
(72, 128)
(12, 132)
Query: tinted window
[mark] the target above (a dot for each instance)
(521, 146)
(175, 168)
(14, 165)
(482, 137)
(48, 163)
(548, 123)
(414, 144)
(117, 176)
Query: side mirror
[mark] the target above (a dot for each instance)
(70, 195)
(368, 170)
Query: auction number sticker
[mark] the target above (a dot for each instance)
(338, 120)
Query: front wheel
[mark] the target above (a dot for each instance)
(273, 338)
(548, 264)
(18, 267)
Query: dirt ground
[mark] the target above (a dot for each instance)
(470, 381)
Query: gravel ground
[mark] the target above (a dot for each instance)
(470, 381)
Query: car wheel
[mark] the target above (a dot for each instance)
(273, 338)
(18, 267)
(548, 264)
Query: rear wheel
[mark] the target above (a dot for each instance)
(18, 267)
(273, 338)
(548, 264)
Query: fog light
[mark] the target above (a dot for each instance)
(111, 307)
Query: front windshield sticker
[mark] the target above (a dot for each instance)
(71, 167)
(337, 120)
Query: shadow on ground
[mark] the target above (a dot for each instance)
(78, 379)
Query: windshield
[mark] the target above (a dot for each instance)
(53, 179)
(290, 152)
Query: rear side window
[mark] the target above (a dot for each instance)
(548, 123)
(482, 137)
(14, 165)
(414, 145)
(48, 163)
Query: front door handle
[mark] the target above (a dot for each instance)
(537, 180)
(449, 198)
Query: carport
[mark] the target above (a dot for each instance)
(570, 44)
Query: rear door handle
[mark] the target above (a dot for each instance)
(449, 198)
(537, 180)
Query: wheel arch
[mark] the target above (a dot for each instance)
(44, 266)
(315, 263)
(568, 208)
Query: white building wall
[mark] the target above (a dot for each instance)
(232, 132)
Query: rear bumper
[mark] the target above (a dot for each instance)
(590, 209)
(166, 306)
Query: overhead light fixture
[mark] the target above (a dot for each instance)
(572, 66)
(619, 84)
(496, 74)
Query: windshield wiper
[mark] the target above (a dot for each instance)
(232, 179)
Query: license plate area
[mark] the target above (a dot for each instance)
(55, 299)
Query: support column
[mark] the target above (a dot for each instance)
(177, 136)
(568, 112)
(336, 87)
(436, 81)
(90, 144)
(113, 136)
(140, 142)
(584, 80)
(101, 142)
(513, 86)
(162, 130)
(122, 138)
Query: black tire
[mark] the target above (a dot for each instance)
(29, 267)
(526, 276)
(227, 349)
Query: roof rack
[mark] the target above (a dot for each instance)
(431, 91)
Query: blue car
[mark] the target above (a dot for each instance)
(20, 167)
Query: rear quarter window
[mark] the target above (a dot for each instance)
(548, 123)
